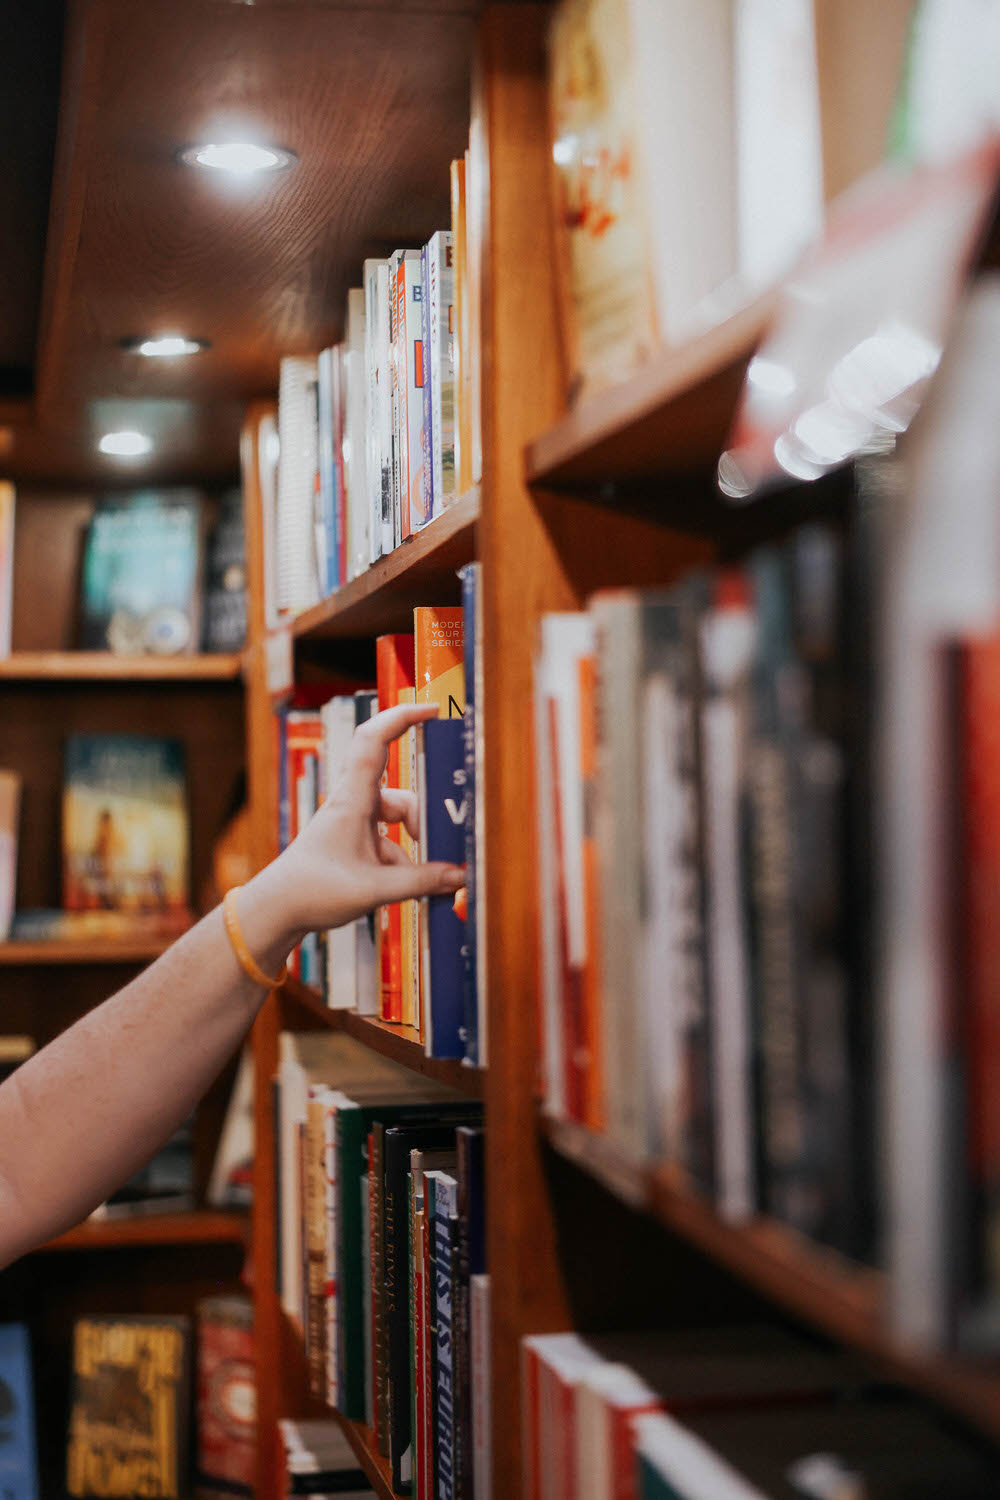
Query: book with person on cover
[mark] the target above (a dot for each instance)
(125, 825)
(18, 1452)
(141, 575)
(130, 1425)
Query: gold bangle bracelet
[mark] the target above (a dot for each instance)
(244, 957)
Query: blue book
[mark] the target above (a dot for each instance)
(470, 1000)
(442, 803)
(18, 1451)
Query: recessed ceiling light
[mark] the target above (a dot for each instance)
(239, 157)
(125, 444)
(164, 346)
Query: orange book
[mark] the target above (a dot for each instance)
(394, 680)
(439, 669)
(592, 1033)
(463, 424)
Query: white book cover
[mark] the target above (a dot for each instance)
(355, 435)
(602, 1389)
(397, 374)
(687, 1464)
(378, 418)
(337, 717)
(408, 308)
(325, 499)
(552, 1061)
(297, 467)
(7, 506)
(293, 1106)
(267, 468)
(479, 1337)
(441, 362)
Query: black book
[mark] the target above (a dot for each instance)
(470, 1261)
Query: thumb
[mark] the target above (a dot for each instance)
(407, 882)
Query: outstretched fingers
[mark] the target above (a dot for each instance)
(399, 882)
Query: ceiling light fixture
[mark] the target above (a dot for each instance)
(242, 158)
(126, 444)
(164, 346)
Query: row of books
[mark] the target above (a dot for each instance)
(415, 963)
(729, 1413)
(132, 1405)
(381, 1254)
(378, 434)
(162, 573)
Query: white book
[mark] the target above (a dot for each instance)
(687, 1464)
(7, 506)
(479, 1339)
(378, 418)
(553, 1366)
(338, 717)
(293, 1106)
(331, 1100)
(441, 362)
(325, 497)
(267, 466)
(355, 436)
(297, 466)
(407, 298)
(727, 643)
(602, 1390)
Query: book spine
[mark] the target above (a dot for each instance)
(445, 1210)
(444, 754)
(428, 1439)
(395, 271)
(463, 434)
(429, 437)
(315, 1243)
(7, 503)
(331, 1286)
(479, 1362)
(441, 272)
(350, 1142)
(366, 988)
(367, 1300)
(379, 1298)
(470, 1017)
(377, 416)
(593, 1103)
(326, 539)
(414, 293)
(417, 1387)
(338, 558)
(395, 1152)
(395, 668)
(469, 1259)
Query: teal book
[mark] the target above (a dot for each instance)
(142, 573)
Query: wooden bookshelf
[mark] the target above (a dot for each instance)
(422, 568)
(375, 1466)
(816, 1284)
(400, 1044)
(104, 666)
(673, 416)
(84, 951)
(206, 1227)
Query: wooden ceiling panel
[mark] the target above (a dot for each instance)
(373, 98)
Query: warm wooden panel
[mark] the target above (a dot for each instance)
(205, 1228)
(48, 548)
(374, 100)
(673, 415)
(89, 951)
(420, 571)
(104, 666)
(401, 1044)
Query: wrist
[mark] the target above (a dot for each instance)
(270, 926)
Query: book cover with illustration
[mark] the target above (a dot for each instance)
(125, 825)
(130, 1419)
(140, 589)
(18, 1451)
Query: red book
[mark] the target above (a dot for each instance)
(395, 683)
(226, 1392)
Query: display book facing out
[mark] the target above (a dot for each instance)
(378, 434)
(413, 964)
(381, 1258)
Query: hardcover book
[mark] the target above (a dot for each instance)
(394, 670)
(18, 1452)
(378, 378)
(441, 757)
(141, 575)
(226, 578)
(227, 1394)
(125, 825)
(10, 807)
(6, 566)
(129, 1425)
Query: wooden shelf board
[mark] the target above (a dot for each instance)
(104, 666)
(85, 951)
(827, 1291)
(671, 417)
(401, 1044)
(208, 1227)
(375, 1466)
(420, 571)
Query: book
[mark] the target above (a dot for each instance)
(355, 444)
(461, 352)
(441, 789)
(378, 380)
(18, 1450)
(10, 810)
(470, 1261)
(438, 651)
(164, 1184)
(339, 722)
(225, 624)
(129, 1428)
(445, 1390)
(141, 574)
(227, 1394)
(125, 825)
(366, 954)
(298, 434)
(329, 540)
(395, 674)
(479, 1357)
(406, 294)
(471, 649)
(439, 389)
(7, 507)
(319, 1460)
(230, 1184)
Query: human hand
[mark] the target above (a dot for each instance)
(340, 866)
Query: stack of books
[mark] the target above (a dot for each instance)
(381, 1250)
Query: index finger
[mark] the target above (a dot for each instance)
(366, 758)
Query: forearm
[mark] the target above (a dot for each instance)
(82, 1115)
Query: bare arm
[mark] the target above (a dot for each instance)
(79, 1117)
